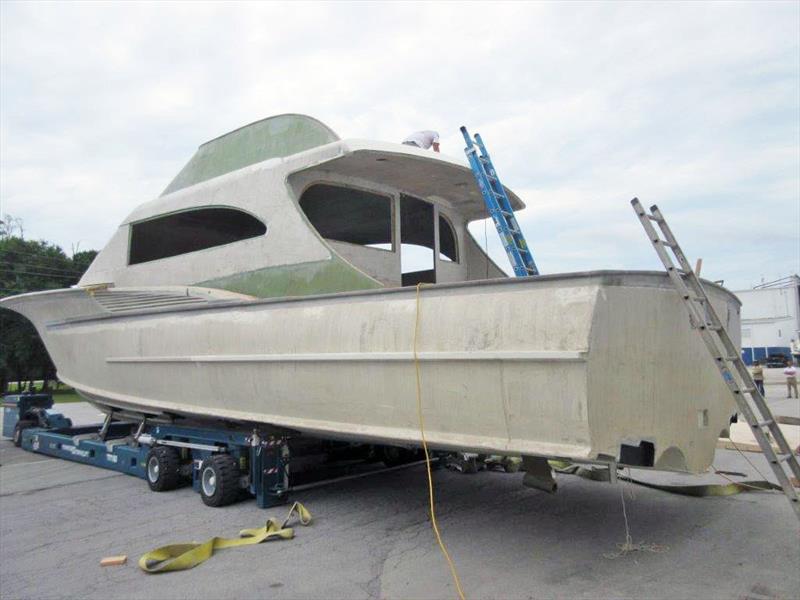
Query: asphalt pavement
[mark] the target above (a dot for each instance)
(371, 537)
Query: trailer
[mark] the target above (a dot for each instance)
(223, 461)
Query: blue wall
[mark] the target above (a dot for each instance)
(749, 355)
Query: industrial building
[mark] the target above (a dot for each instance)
(771, 319)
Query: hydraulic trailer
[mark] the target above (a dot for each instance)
(223, 461)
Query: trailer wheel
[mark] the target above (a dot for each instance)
(19, 428)
(163, 468)
(219, 480)
(394, 456)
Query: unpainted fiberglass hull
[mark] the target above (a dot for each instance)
(571, 366)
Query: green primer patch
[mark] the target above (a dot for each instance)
(304, 279)
(274, 137)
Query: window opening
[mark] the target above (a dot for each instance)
(189, 231)
(416, 241)
(448, 248)
(349, 215)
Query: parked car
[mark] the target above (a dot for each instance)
(774, 361)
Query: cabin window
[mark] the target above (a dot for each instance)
(349, 215)
(189, 231)
(448, 248)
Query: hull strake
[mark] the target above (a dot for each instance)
(343, 431)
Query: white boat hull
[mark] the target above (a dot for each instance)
(570, 366)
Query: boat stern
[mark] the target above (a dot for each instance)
(655, 396)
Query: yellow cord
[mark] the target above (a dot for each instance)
(453, 571)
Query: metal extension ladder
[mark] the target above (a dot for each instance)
(494, 195)
(704, 319)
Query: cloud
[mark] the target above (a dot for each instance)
(693, 106)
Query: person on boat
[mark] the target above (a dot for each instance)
(758, 376)
(423, 139)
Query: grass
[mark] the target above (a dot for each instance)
(63, 394)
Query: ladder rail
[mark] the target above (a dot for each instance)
(737, 389)
(499, 206)
(741, 369)
(505, 206)
(495, 212)
(729, 347)
(749, 400)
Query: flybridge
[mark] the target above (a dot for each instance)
(496, 199)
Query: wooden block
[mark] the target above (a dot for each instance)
(113, 561)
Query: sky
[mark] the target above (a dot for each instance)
(691, 106)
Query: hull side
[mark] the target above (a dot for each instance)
(511, 366)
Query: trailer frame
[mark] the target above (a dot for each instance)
(223, 460)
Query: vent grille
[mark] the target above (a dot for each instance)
(122, 301)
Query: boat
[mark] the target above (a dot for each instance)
(275, 281)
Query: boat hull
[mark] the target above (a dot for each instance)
(571, 366)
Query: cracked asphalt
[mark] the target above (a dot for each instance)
(371, 537)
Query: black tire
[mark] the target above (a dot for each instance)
(19, 427)
(219, 480)
(393, 456)
(162, 468)
(469, 466)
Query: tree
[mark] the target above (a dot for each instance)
(29, 266)
(10, 226)
(82, 260)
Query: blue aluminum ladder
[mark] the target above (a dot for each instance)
(496, 199)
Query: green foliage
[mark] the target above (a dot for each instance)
(31, 266)
(82, 260)
(60, 392)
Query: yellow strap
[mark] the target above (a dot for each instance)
(179, 557)
(709, 489)
(698, 490)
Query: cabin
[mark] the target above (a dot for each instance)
(284, 207)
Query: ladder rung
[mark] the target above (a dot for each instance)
(782, 458)
(758, 424)
(745, 391)
(676, 269)
(652, 218)
(695, 298)
(664, 243)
